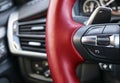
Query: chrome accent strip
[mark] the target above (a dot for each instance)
(34, 43)
(33, 36)
(37, 28)
(114, 40)
(89, 40)
(13, 40)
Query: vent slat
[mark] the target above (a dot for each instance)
(31, 36)
(34, 44)
(28, 48)
(29, 30)
(35, 33)
(31, 25)
(32, 39)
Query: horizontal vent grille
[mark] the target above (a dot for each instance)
(32, 29)
(32, 36)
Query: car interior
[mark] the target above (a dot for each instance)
(59, 41)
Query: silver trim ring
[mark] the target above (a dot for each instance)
(13, 40)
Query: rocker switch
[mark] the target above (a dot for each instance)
(103, 40)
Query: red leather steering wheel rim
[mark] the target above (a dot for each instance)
(62, 55)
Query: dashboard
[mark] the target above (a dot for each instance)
(26, 33)
(86, 7)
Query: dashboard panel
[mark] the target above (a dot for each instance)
(86, 7)
(31, 47)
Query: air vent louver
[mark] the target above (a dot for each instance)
(32, 36)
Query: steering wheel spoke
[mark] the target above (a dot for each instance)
(62, 55)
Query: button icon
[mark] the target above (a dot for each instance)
(36, 65)
(105, 66)
(97, 52)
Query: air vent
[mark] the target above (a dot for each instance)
(32, 36)
(26, 38)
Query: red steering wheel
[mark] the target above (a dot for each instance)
(62, 55)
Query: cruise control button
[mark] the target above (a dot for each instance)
(96, 51)
(47, 73)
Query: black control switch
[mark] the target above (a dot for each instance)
(103, 40)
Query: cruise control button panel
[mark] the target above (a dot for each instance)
(103, 44)
(99, 42)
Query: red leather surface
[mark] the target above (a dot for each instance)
(62, 56)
